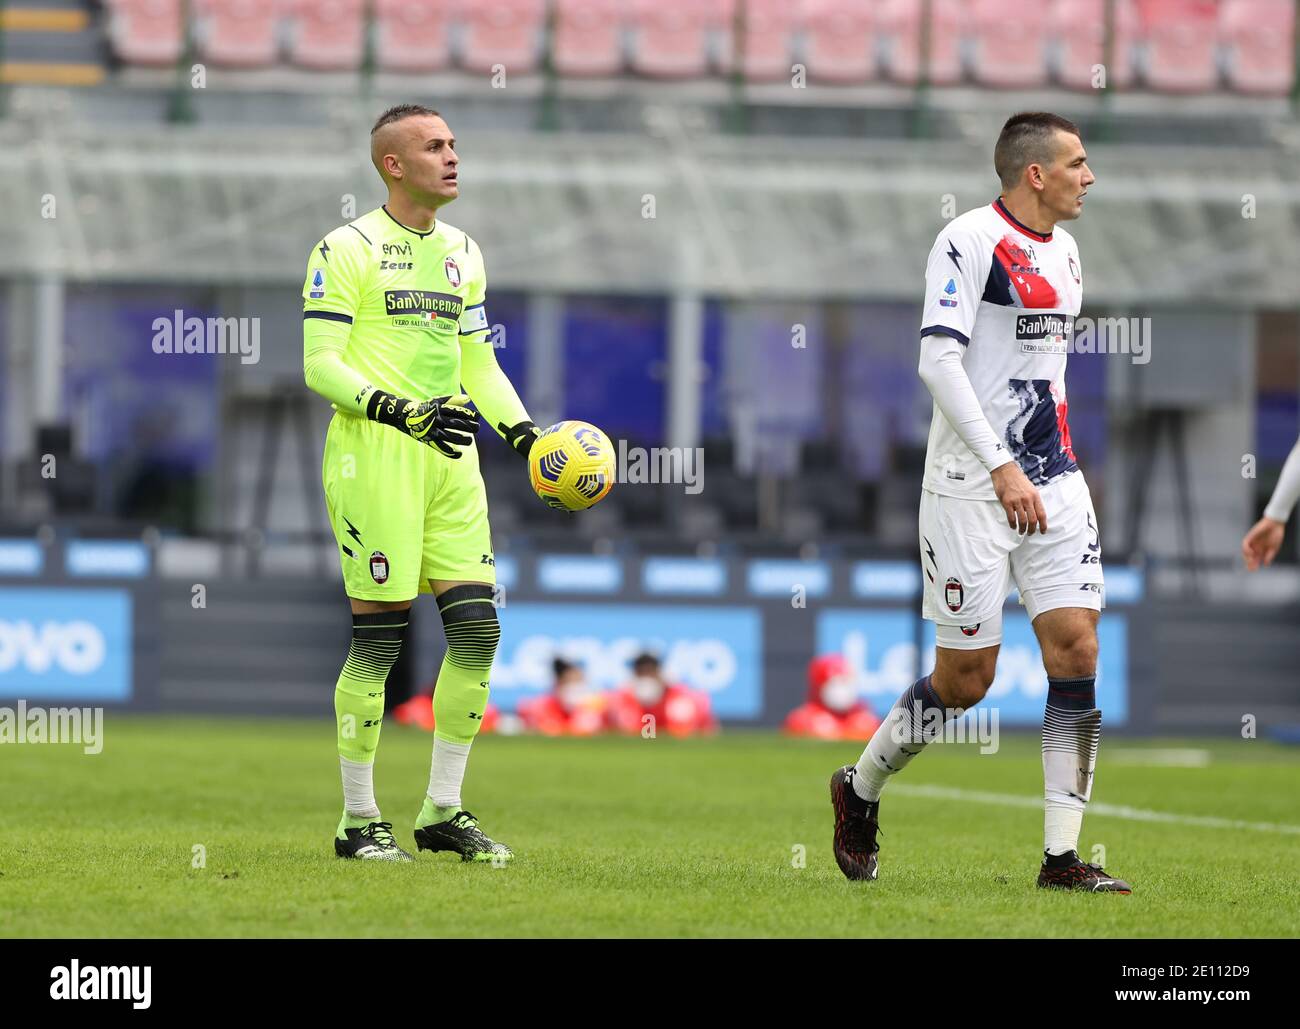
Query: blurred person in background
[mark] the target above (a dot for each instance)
(834, 709)
(572, 708)
(1265, 537)
(674, 708)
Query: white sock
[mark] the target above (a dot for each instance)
(359, 789)
(447, 772)
(1062, 820)
(1070, 739)
(901, 736)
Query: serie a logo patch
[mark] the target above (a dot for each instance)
(379, 567)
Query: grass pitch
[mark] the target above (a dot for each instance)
(189, 827)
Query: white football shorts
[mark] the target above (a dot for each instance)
(968, 552)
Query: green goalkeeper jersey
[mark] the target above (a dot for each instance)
(386, 307)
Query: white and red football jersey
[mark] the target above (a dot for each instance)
(1009, 295)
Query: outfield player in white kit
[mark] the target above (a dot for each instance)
(1002, 497)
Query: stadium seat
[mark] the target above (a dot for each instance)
(839, 41)
(587, 37)
(146, 32)
(1079, 27)
(412, 35)
(900, 23)
(503, 32)
(677, 39)
(327, 35)
(766, 39)
(1258, 36)
(238, 33)
(1010, 43)
(1181, 45)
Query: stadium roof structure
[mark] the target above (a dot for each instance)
(663, 212)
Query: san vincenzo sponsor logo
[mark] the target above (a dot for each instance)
(75, 981)
(1062, 334)
(420, 306)
(31, 724)
(182, 334)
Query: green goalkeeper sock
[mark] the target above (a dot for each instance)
(432, 814)
(359, 692)
(469, 621)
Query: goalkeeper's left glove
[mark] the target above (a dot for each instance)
(520, 436)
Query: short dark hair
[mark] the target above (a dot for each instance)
(643, 659)
(1027, 139)
(403, 111)
(559, 666)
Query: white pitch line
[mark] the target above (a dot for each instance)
(1133, 814)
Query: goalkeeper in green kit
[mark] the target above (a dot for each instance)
(394, 323)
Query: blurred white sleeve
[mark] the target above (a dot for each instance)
(1288, 488)
(942, 372)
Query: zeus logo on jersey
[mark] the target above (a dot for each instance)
(424, 302)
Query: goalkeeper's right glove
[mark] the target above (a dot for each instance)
(441, 422)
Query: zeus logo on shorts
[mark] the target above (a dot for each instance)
(379, 567)
(953, 594)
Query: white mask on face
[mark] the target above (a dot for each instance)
(840, 694)
(648, 690)
(571, 696)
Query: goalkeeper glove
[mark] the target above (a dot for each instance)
(441, 422)
(520, 436)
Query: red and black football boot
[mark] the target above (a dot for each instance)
(1075, 875)
(855, 827)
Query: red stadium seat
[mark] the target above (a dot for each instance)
(588, 37)
(1182, 38)
(149, 32)
(840, 41)
(238, 33)
(1080, 29)
(766, 53)
(328, 35)
(679, 39)
(504, 32)
(1259, 36)
(412, 35)
(900, 21)
(1010, 40)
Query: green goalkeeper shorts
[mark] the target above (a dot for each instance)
(402, 512)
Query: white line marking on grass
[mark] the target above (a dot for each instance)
(1133, 814)
(1161, 757)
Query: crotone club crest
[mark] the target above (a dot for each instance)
(953, 594)
(379, 567)
(453, 271)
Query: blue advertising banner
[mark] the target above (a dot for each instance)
(881, 645)
(714, 649)
(65, 644)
